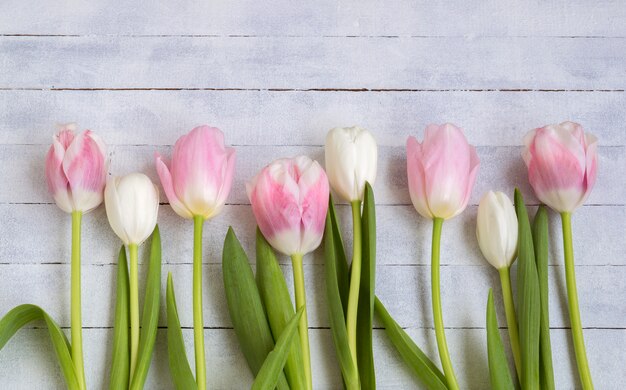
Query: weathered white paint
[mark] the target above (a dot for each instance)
(313, 62)
(481, 66)
(157, 117)
(324, 17)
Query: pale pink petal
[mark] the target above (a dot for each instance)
(168, 187)
(415, 174)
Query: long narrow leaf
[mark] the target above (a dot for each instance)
(341, 261)
(365, 314)
(528, 298)
(245, 307)
(498, 368)
(278, 306)
(179, 366)
(271, 369)
(540, 239)
(22, 315)
(412, 355)
(150, 315)
(120, 365)
(335, 307)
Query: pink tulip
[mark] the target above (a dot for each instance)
(76, 170)
(441, 170)
(562, 164)
(200, 175)
(289, 200)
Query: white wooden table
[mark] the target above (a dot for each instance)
(275, 76)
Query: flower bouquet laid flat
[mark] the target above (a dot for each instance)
(295, 214)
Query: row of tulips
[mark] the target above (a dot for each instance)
(293, 208)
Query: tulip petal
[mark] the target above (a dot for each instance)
(168, 187)
(415, 174)
(113, 208)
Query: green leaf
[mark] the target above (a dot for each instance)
(528, 298)
(540, 239)
(268, 375)
(341, 261)
(245, 307)
(412, 355)
(498, 367)
(179, 366)
(365, 314)
(150, 315)
(278, 306)
(22, 315)
(120, 365)
(335, 307)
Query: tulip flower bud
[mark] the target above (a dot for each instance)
(441, 171)
(132, 205)
(200, 175)
(562, 164)
(351, 159)
(76, 170)
(289, 199)
(496, 229)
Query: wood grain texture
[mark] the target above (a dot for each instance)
(313, 63)
(324, 17)
(275, 76)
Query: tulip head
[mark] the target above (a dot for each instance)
(76, 169)
(200, 175)
(496, 229)
(351, 160)
(132, 205)
(441, 171)
(289, 199)
(562, 164)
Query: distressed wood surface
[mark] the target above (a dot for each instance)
(275, 76)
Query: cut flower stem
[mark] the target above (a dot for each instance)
(355, 279)
(303, 326)
(442, 344)
(198, 321)
(76, 322)
(134, 307)
(572, 300)
(511, 318)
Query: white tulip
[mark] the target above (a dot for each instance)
(496, 229)
(351, 159)
(132, 205)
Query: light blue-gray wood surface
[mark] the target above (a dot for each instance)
(275, 76)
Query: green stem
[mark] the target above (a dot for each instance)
(355, 279)
(572, 299)
(134, 308)
(444, 355)
(77, 329)
(511, 319)
(303, 326)
(198, 322)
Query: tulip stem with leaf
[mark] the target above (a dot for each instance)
(441, 173)
(562, 167)
(196, 182)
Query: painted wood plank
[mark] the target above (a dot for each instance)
(501, 169)
(346, 17)
(28, 362)
(403, 236)
(404, 289)
(157, 117)
(304, 63)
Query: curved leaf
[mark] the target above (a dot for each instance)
(528, 298)
(498, 367)
(22, 315)
(412, 355)
(335, 306)
(120, 365)
(540, 240)
(278, 307)
(179, 366)
(150, 315)
(365, 314)
(268, 375)
(245, 307)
